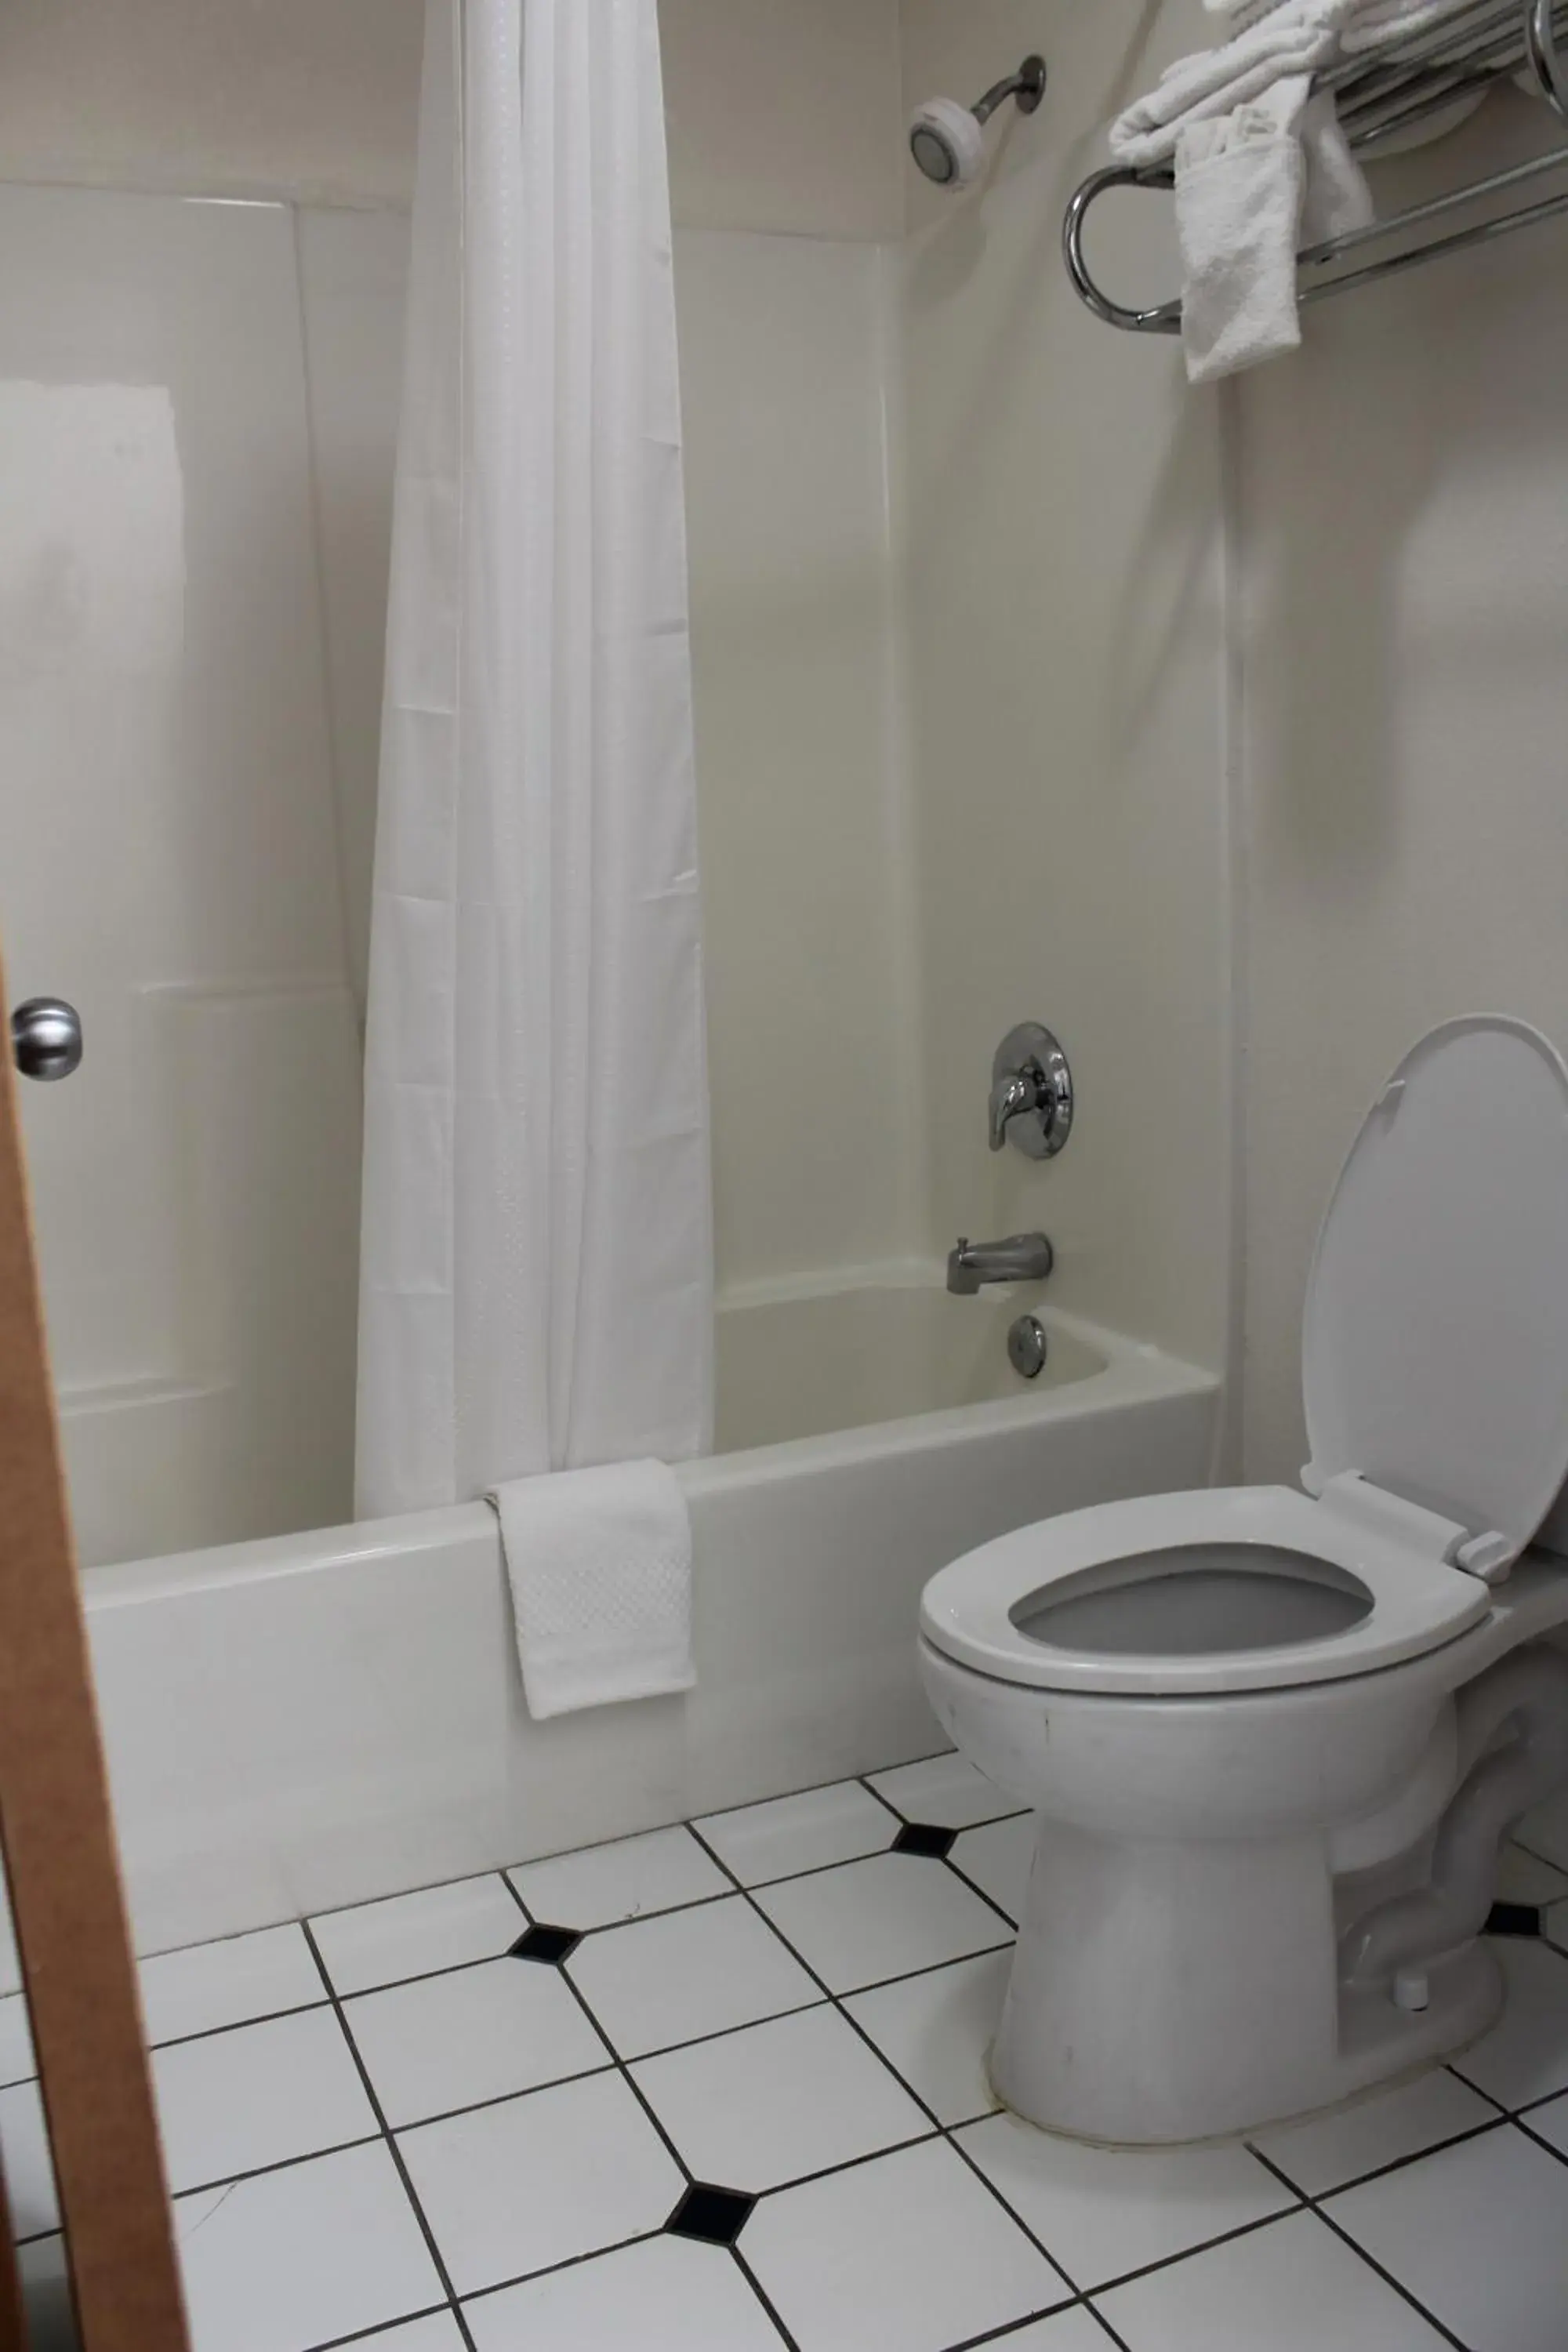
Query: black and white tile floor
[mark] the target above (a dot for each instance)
(720, 2089)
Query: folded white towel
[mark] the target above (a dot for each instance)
(1238, 209)
(1377, 23)
(1249, 188)
(1372, 25)
(1293, 40)
(1337, 195)
(600, 1563)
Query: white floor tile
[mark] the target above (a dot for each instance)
(760, 1843)
(10, 1959)
(485, 2032)
(1525, 2056)
(46, 2296)
(541, 2179)
(1103, 2212)
(439, 2332)
(627, 1880)
(666, 1980)
(1545, 1829)
(1291, 2287)
(25, 2155)
(413, 1935)
(1475, 2233)
(884, 1917)
(946, 1790)
(937, 2029)
(302, 2256)
(260, 2094)
(1331, 2150)
(668, 2294)
(907, 2253)
(997, 1858)
(1550, 2124)
(16, 2061)
(777, 2101)
(1065, 2331)
(214, 1985)
(1524, 1878)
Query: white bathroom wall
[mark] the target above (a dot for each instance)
(173, 856)
(813, 1053)
(1405, 519)
(312, 98)
(784, 115)
(787, 183)
(1066, 666)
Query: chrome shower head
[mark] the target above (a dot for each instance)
(944, 137)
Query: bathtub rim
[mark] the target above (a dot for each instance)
(1130, 1371)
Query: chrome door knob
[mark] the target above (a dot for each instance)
(46, 1037)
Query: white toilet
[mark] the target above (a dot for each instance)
(1272, 1740)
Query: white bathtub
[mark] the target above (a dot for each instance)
(318, 1719)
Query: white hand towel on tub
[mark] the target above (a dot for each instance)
(600, 1564)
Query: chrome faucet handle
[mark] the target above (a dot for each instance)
(1013, 1093)
(1031, 1093)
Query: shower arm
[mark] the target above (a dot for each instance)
(1028, 86)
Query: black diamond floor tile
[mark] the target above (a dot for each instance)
(550, 1946)
(1513, 1919)
(924, 1837)
(716, 2216)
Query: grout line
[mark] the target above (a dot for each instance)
(724, 2033)
(1389, 2279)
(933, 1968)
(975, 1888)
(236, 2025)
(1205, 2245)
(1450, 2068)
(261, 2171)
(1380, 2171)
(1523, 2123)
(1314, 2205)
(1528, 2106)
(309, 1919)
(1075, 2297)
(393, 2149)
(567, 2262)
(863, 1780)
(754, 2282)
(382, 2327)
(848, 2163)
(1011, 2327)
(624, 2070)
(1003, 2335)
(941, 2130)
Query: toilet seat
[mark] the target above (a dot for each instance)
(1435, 1374)
(971, 1610)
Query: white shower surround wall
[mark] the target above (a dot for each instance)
(319, 1719)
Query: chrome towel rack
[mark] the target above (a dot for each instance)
(1379, 96)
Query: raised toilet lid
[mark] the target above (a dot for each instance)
(1435, 1346)
(1434, 1363)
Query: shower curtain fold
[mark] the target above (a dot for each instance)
(536, 1275)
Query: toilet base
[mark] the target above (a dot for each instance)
(1140, 2013)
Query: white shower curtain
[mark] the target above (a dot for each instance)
(536, 1281)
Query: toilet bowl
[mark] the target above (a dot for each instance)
(1273, 1738)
